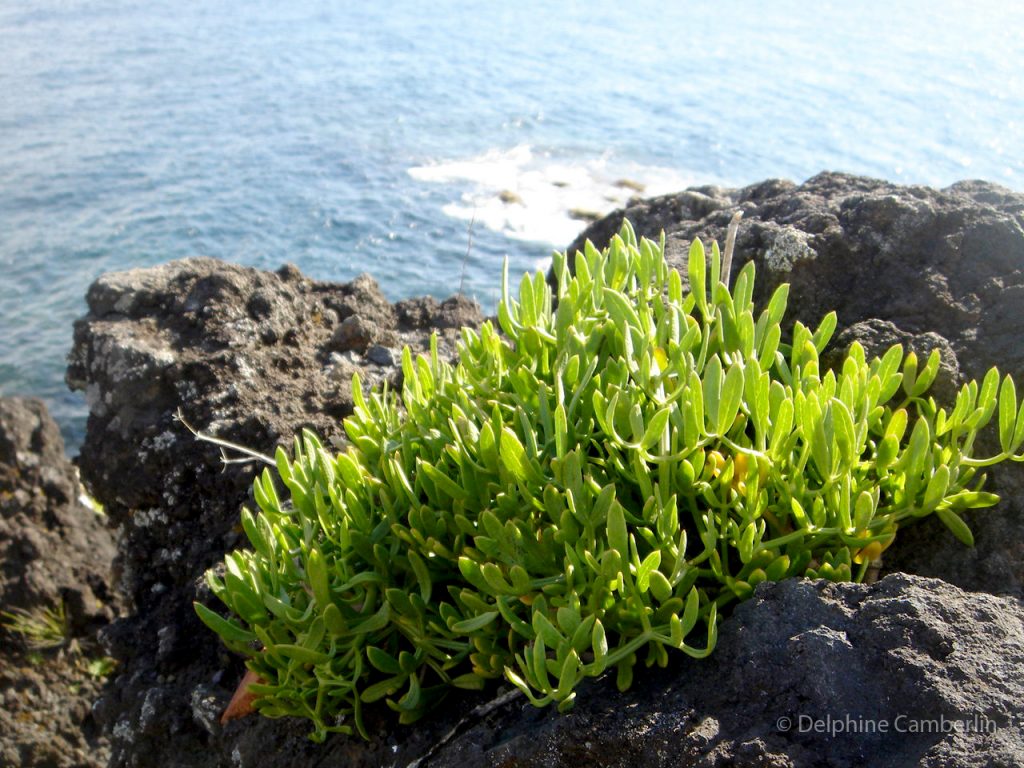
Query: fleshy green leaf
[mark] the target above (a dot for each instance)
(955, 523)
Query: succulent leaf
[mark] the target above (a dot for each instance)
(586, 482)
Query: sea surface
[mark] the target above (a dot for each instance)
(397, 137)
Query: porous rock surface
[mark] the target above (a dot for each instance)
(949, 262)
(247, 356)
(255, 356)
(923, 267)
(252, 358)
(908, 671)
(53, 551)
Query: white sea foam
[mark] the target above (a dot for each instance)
(529, 195)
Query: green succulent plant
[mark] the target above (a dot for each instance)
(587, 489)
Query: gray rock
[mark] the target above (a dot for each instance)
(54, 551)
(248, 356)
(341, 367)
(865, 665)
(206, 708)
(355, 333)
(53, 548)
(932, 269)
(382, 355)
(927, 268)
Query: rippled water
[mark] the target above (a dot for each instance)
(366, 138)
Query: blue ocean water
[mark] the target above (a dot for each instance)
(352, 137)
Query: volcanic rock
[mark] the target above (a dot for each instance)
(927, 268)
(56, 555)
(252, 358)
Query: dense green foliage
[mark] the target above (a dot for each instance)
(585, 490)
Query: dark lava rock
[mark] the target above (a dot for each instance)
(53, 548)
(928, 268)
(876, 336)
(425, 312)
(949, 262)
(250, 357)
(54, 551)
(908, 671)
(183, 337)
(357, 333)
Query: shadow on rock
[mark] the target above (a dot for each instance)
(254, 356)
